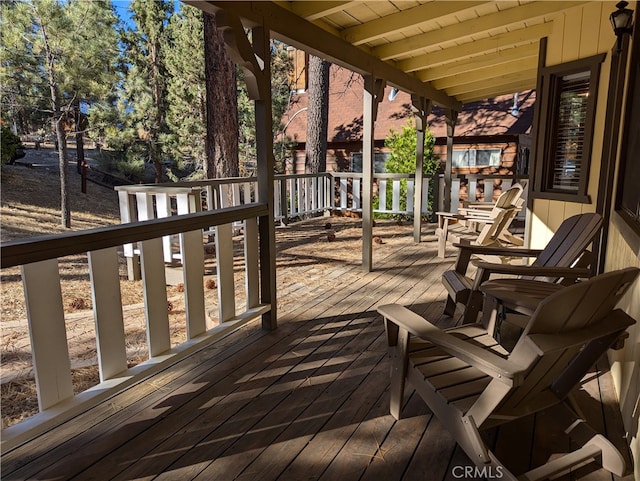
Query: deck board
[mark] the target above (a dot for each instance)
(308, 401)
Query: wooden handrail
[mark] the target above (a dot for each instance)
(41, 248)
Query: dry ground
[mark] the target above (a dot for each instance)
(30, 207)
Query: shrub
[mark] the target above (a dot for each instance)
(9, 145)
(402, 159)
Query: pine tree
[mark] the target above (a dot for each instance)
(24, 92)
(144, 93)
(186, 108)
(73, 45)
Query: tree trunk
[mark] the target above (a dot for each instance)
(80, 127)
(221, 141)
(63, 164)
(155, 154)
(317, 115)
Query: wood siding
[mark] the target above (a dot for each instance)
(580, 33)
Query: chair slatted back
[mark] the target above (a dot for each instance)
(509, 198)
(491, 232)
(570, 240)
(568, 332)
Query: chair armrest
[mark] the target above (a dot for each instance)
(451, 215)
(495, 366)
(523, 270)
(500, 251)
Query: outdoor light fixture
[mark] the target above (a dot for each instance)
(622, 21)
(393, 94)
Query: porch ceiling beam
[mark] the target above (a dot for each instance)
(525, 77)
(312, 10)
(494, 91)
(476, 63)
(490, 74)
(514, 16)
(496, 43)
(298, 32)
(396, 22)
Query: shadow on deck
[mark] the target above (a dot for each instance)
(308, 401)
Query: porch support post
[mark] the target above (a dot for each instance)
(265, 169)
(451, 117)
(421, 108)
(373, 92)
(255, 60)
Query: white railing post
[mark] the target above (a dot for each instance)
(409, 198)
(193, 274)
(163, 207)
(155, 296)
(107, 312)
(47, 330)
(252, 268)
(224, 267)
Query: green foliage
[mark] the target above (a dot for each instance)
(9, 144)
(144, 86)
(51, 48)
(402, 159)
(402, 151)
(186, 92)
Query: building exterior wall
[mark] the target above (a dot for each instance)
(583, 32)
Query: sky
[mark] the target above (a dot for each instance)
(122, 10)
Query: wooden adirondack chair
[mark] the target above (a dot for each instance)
(471, 383)
(481, 226)
(556, 261)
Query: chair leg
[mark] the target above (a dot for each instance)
(471, 310)
(399, 361)
(450, 307)
(442, 243)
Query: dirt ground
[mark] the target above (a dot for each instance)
(30, 202)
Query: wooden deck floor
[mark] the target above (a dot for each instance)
(306, 402)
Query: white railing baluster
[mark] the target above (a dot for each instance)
(455, 195)
(224, 264)
(488, 190)
(472, 185)
(252, 265)
(155, 296)
(409, 198)
(382, 195)
(292, 197)
(144, 202)
(425, 195)
(43, 299)
(301, 196)
(343, 193)
(395, 200)
(163, 207)
(127, 215)
(107, 312)
(192, 274)
(236, 194)
(356, 195)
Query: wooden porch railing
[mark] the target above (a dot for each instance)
(295, 196)
(38, 259)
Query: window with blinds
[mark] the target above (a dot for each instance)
(570, 132)
(567, 115)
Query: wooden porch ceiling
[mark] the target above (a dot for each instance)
(449, 51)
